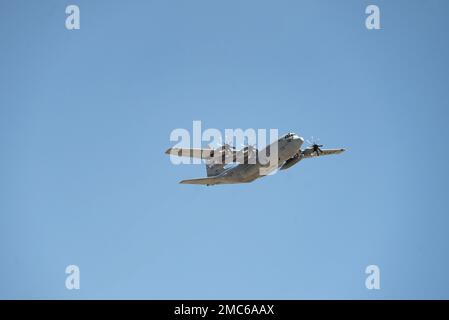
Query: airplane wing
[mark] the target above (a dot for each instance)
(202, 153)
(211, 180)
(324, 152)
(191, 152)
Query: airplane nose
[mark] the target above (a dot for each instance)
(298, 141)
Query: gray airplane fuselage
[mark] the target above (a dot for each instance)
(288, 145)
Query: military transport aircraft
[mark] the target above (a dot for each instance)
(248, 165)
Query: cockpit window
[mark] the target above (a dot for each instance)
(289, 136)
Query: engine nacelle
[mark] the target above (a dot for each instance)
(291, 162)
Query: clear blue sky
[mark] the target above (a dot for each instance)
(85, 118)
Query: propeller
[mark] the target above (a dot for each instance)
(250, 150)
(226, 147)
(228, 150)
(315, 146)
(225, 150)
